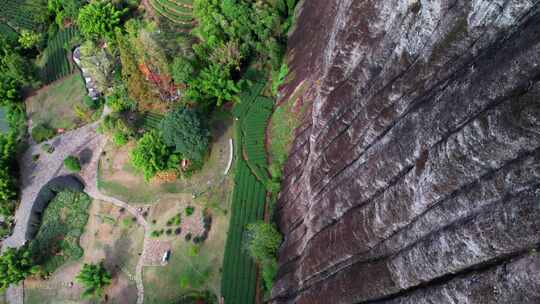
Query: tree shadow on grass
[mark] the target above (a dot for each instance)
(85, 156)
(116, 255)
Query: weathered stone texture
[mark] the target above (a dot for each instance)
(415, 177)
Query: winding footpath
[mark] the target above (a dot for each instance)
(84, 141)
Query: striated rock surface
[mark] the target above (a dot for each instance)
(415, 176)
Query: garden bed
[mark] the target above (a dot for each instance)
(107, 237)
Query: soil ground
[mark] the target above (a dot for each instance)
(109, 238)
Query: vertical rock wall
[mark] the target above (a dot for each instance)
(415, 177)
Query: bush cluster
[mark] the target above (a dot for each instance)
(42, 132)
(72, 164)
(152, 155)
(263, 243)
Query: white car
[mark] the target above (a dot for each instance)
(166, 257)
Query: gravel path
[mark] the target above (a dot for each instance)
(89, 145)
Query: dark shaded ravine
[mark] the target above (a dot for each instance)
(415, 175)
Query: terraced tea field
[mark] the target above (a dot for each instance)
(178, 11)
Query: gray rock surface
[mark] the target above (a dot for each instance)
(415, 177)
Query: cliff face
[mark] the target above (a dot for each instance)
(415, 177)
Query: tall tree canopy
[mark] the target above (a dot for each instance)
(64, 9)
(184, 130)
(99, 19)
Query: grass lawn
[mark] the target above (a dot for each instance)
(118, 178)
(54, 104)
(285, 119)
(106, 238)
(192, 267)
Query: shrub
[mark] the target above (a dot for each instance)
(188, 237)
(189, 210)
(182, 70)
(90, 103)
(119, 100)
(152, 155)
(157, 233)
(29, 39)
(94, 278)
(15, 266)
(269, 272)
(5, 230)
(47, 148)
(193, 251)
(175, 221)
(119, 138)
(42, 132)
(278, 77)
(72, 164)
(128, 222)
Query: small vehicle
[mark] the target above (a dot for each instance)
(166, 257)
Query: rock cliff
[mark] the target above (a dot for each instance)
(415, 175)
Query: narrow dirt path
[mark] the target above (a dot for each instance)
(90, 177)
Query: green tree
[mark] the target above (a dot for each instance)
(9, 90)
(182, 70)
(184, 130)
(72, 164)
(29, 39)
(263, 243)
(8, 189)
(15, 266)
(94, 278)
(214, 84)
(12, 65)
(64, 9)
(99, 19)
(152, 155)
(119, 100)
